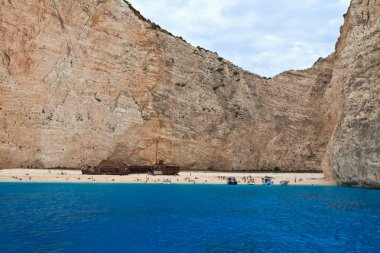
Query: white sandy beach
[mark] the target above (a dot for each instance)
(75, 176)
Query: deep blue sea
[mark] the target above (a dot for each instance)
(187, 218)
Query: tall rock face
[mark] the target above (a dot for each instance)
(353, 154)
(92, 80)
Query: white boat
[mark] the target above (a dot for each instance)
(267, 180)
(167, 181)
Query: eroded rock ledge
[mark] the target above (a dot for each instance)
(86, 81)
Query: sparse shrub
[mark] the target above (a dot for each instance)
(180, 84)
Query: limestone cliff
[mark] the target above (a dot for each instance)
(92, 80)
(353, 97)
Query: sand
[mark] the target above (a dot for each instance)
(75, 176)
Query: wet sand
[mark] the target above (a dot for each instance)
(75, 176)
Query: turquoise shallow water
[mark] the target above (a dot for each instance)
(187, 218)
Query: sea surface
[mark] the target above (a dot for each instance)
(49, 217)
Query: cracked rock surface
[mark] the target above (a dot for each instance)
(353, 97)
(88, 81)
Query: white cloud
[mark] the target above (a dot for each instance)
(265, 37)
(344, 2)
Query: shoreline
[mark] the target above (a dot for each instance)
(184, 177)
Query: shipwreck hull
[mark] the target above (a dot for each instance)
(157, 169)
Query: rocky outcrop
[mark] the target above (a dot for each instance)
(353, 156)
(88, 81)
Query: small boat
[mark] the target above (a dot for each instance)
(251, 182)
(166, 181)
(284, 182)
(267, 180)
(231, 181)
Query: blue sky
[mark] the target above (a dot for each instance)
(263, 36)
